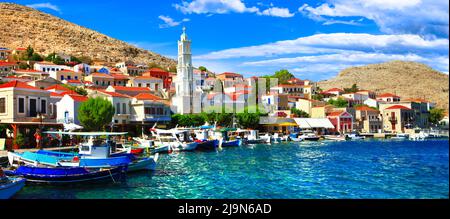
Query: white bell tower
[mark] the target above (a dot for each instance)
(184, 84)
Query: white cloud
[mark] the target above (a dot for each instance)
(424, 17)
(230, 6)
(337, 42)
(214, 7)
(277, 12)
(44, 6)
(169, 22)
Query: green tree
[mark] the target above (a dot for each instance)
(95, 113)
(436, 115)
(283, 76)
(23, 66)
(317, 96)
(354, 88)
(188, 120)
(299, 113)
(202, 68)
(153, 65)
(248, 120)
(29, 52)
(53, 57)
(339, 102)
(36, 57)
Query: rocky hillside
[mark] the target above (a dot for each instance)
(406, 79)
(21, 26)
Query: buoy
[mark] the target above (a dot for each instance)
(76, 159)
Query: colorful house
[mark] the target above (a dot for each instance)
(67, 108)
(398, 118)
(368, 120)
(388, 97)
(342, 121)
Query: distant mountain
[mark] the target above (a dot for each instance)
(21, 26)
(406, 79)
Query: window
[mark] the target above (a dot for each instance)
(139, 85)
(124, 108)
(147, 110)
(21, 105)
(117, 108)
(76, 77)
(44, 106)
(68, 77)
(3, 105)
(62, 77)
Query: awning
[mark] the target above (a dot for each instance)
(309, 123)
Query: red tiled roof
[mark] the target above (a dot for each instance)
(58, 87)
(387, 95)
(113, 94)
(289, 85)
(18, 84)
(7, 63)
(157, 70)
(146, 96)
(122, 88)
(334, 90)
(334, 114)
(398, 107)
(365, 108)
(74, 81)
(231, 74)
(119, 76)
(78, 98)
(101, 75)
(21, 48)
(29, 70)
(147, 78)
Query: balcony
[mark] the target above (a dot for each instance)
(392, 119)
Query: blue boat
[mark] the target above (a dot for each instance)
(232, 143)
(64, 175)
(10, 185)
(42, 158)
(207, 144)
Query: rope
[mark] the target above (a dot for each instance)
(110, 174)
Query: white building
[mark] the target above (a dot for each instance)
(187, 100)
(50, 67)
(67, 108)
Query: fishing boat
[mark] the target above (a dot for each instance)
(336, 137)
(253, 137)
(276, 138)
(172, 140)
(146, 163)
(96, 153)
(308, 135)
(67, 175)
(295, 137)
(228, 137)
(355, 136)
(204, 138)
(10, 185)
(400, 136)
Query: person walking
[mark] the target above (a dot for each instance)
(38, 138)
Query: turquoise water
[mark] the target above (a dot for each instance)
(352, 169)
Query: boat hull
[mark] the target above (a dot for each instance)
(207, 145)
(148, 163)
(58, 176)
(10, 188)
(232, 143)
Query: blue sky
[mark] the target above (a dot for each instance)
(312, 39)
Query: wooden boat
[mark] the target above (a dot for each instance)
(228, 137)
(207, 144)
(172, 140)
(10, 185)
(146, 163)
(295, 137)
(67, 175)
(204, 138)
(355, 136)
(252, 137)
(308, 135)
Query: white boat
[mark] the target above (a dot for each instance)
(336, 137)
(276, 138)
(10, 185)
(400, 136)
(147, 163)
(308, 135)
(355, 136)
(252, 137)
(172, 140)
